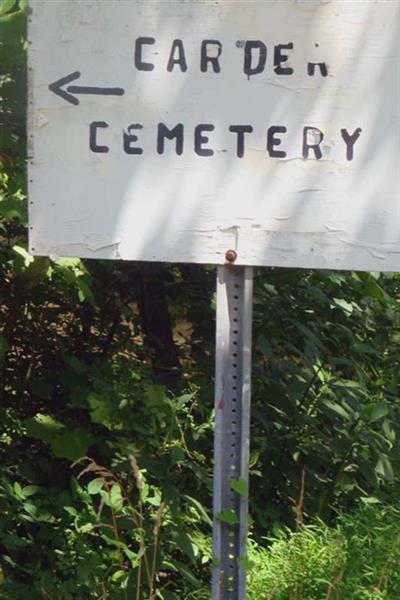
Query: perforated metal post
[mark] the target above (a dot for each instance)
(232, 431)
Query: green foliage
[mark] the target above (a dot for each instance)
(228, 515)
(326, 382)
(356, 560)
(103, 536)
(240, 486)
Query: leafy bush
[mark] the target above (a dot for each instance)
(114, 536)
(326, 391)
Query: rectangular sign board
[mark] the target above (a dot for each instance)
(179, 130)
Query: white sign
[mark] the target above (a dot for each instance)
(180, 130)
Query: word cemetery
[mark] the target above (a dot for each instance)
(310, 143)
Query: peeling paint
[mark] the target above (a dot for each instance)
(313, 3)
(41, 119)
(235, 231)
(98, 242)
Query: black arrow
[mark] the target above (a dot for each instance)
(57, 88)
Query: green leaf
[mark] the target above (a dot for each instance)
(384, 468)
(116, 500)
(346, 306)
(13, 207)
(240, 486)
(370, 500)
(245, 563)
(155, 395)
(18, 490)
(339, 410)
(118, 575)
(264, 345)
(228, 515)
(69, 263)
(71, 510)
(30, 490)
(389, 432)
(86, 528)
(367, 470)
(345, 482)
(365, 349)
(77, 365)
(31, 509)
(155, 499)
(144, 491)
(102, 410)
(84, 291)
(377, 412)
(184, 571)
(118, 544)
(372, 288)
(199, 508)
(187, 546)
(6, 6)
(177, 455)
(27, 258)
(43, 427)
(95, 486)
(72, 444)
(181, 401)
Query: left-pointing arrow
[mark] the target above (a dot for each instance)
(58, 88)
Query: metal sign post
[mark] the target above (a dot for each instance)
(232, 431)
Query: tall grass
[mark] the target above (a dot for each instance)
(358, 559)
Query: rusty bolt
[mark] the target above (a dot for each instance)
(231, 256)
